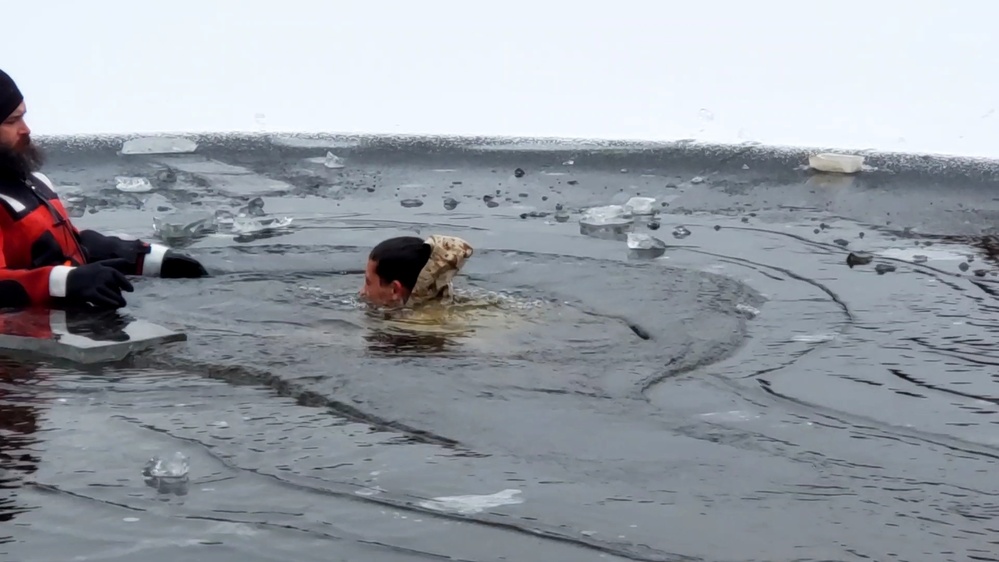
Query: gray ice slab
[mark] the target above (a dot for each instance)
(159, 145)
(45, 334)
(226, 177)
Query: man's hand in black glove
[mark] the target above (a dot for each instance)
(99, 284)
(177, 266)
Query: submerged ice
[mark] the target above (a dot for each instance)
(247, 219)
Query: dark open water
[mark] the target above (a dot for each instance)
(748, 396)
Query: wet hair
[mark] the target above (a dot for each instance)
(401, 259)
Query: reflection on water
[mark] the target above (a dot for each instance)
(19, 420)
(475, 316)
(388, 342)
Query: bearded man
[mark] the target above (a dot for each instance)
(44, 260)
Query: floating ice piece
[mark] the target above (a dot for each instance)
(176, 465)
(251, 225)
(224, 218)
(637, 241)
(641, 205)
(159, 145)
(132, 184)
(606, 214)
(333, 161)
(645, 246)
(184, 224)
(836, 163)
(858, 258)
(168, 475)
(611, 222)
(467, 505)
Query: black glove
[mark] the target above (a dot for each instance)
(99, 247)
(99, 284)
(177, 266)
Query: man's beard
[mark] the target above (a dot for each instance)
(32, 156)
(23, 159)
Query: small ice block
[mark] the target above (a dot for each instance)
(644, 246)
(81, 337)
(836, 163)
(132, 184)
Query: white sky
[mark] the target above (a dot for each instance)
(915, 75)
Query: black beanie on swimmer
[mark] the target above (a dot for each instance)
(10, 96)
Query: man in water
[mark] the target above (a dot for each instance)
(409, 271)
(44, 259)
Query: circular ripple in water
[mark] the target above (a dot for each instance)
(555, 325)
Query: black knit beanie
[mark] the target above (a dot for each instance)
(10, 96)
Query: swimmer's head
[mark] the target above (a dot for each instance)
(393, 268)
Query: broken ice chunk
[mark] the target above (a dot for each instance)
(333, 161)
(468, 505)
(644, 242)
(611, 222)
(253, 225)
(132, 185)
(641, 205)
(168, 475)
(836, 163)
(159, 145)
(174, 466)
(645, 246)
(224, 218)
(183, 225)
